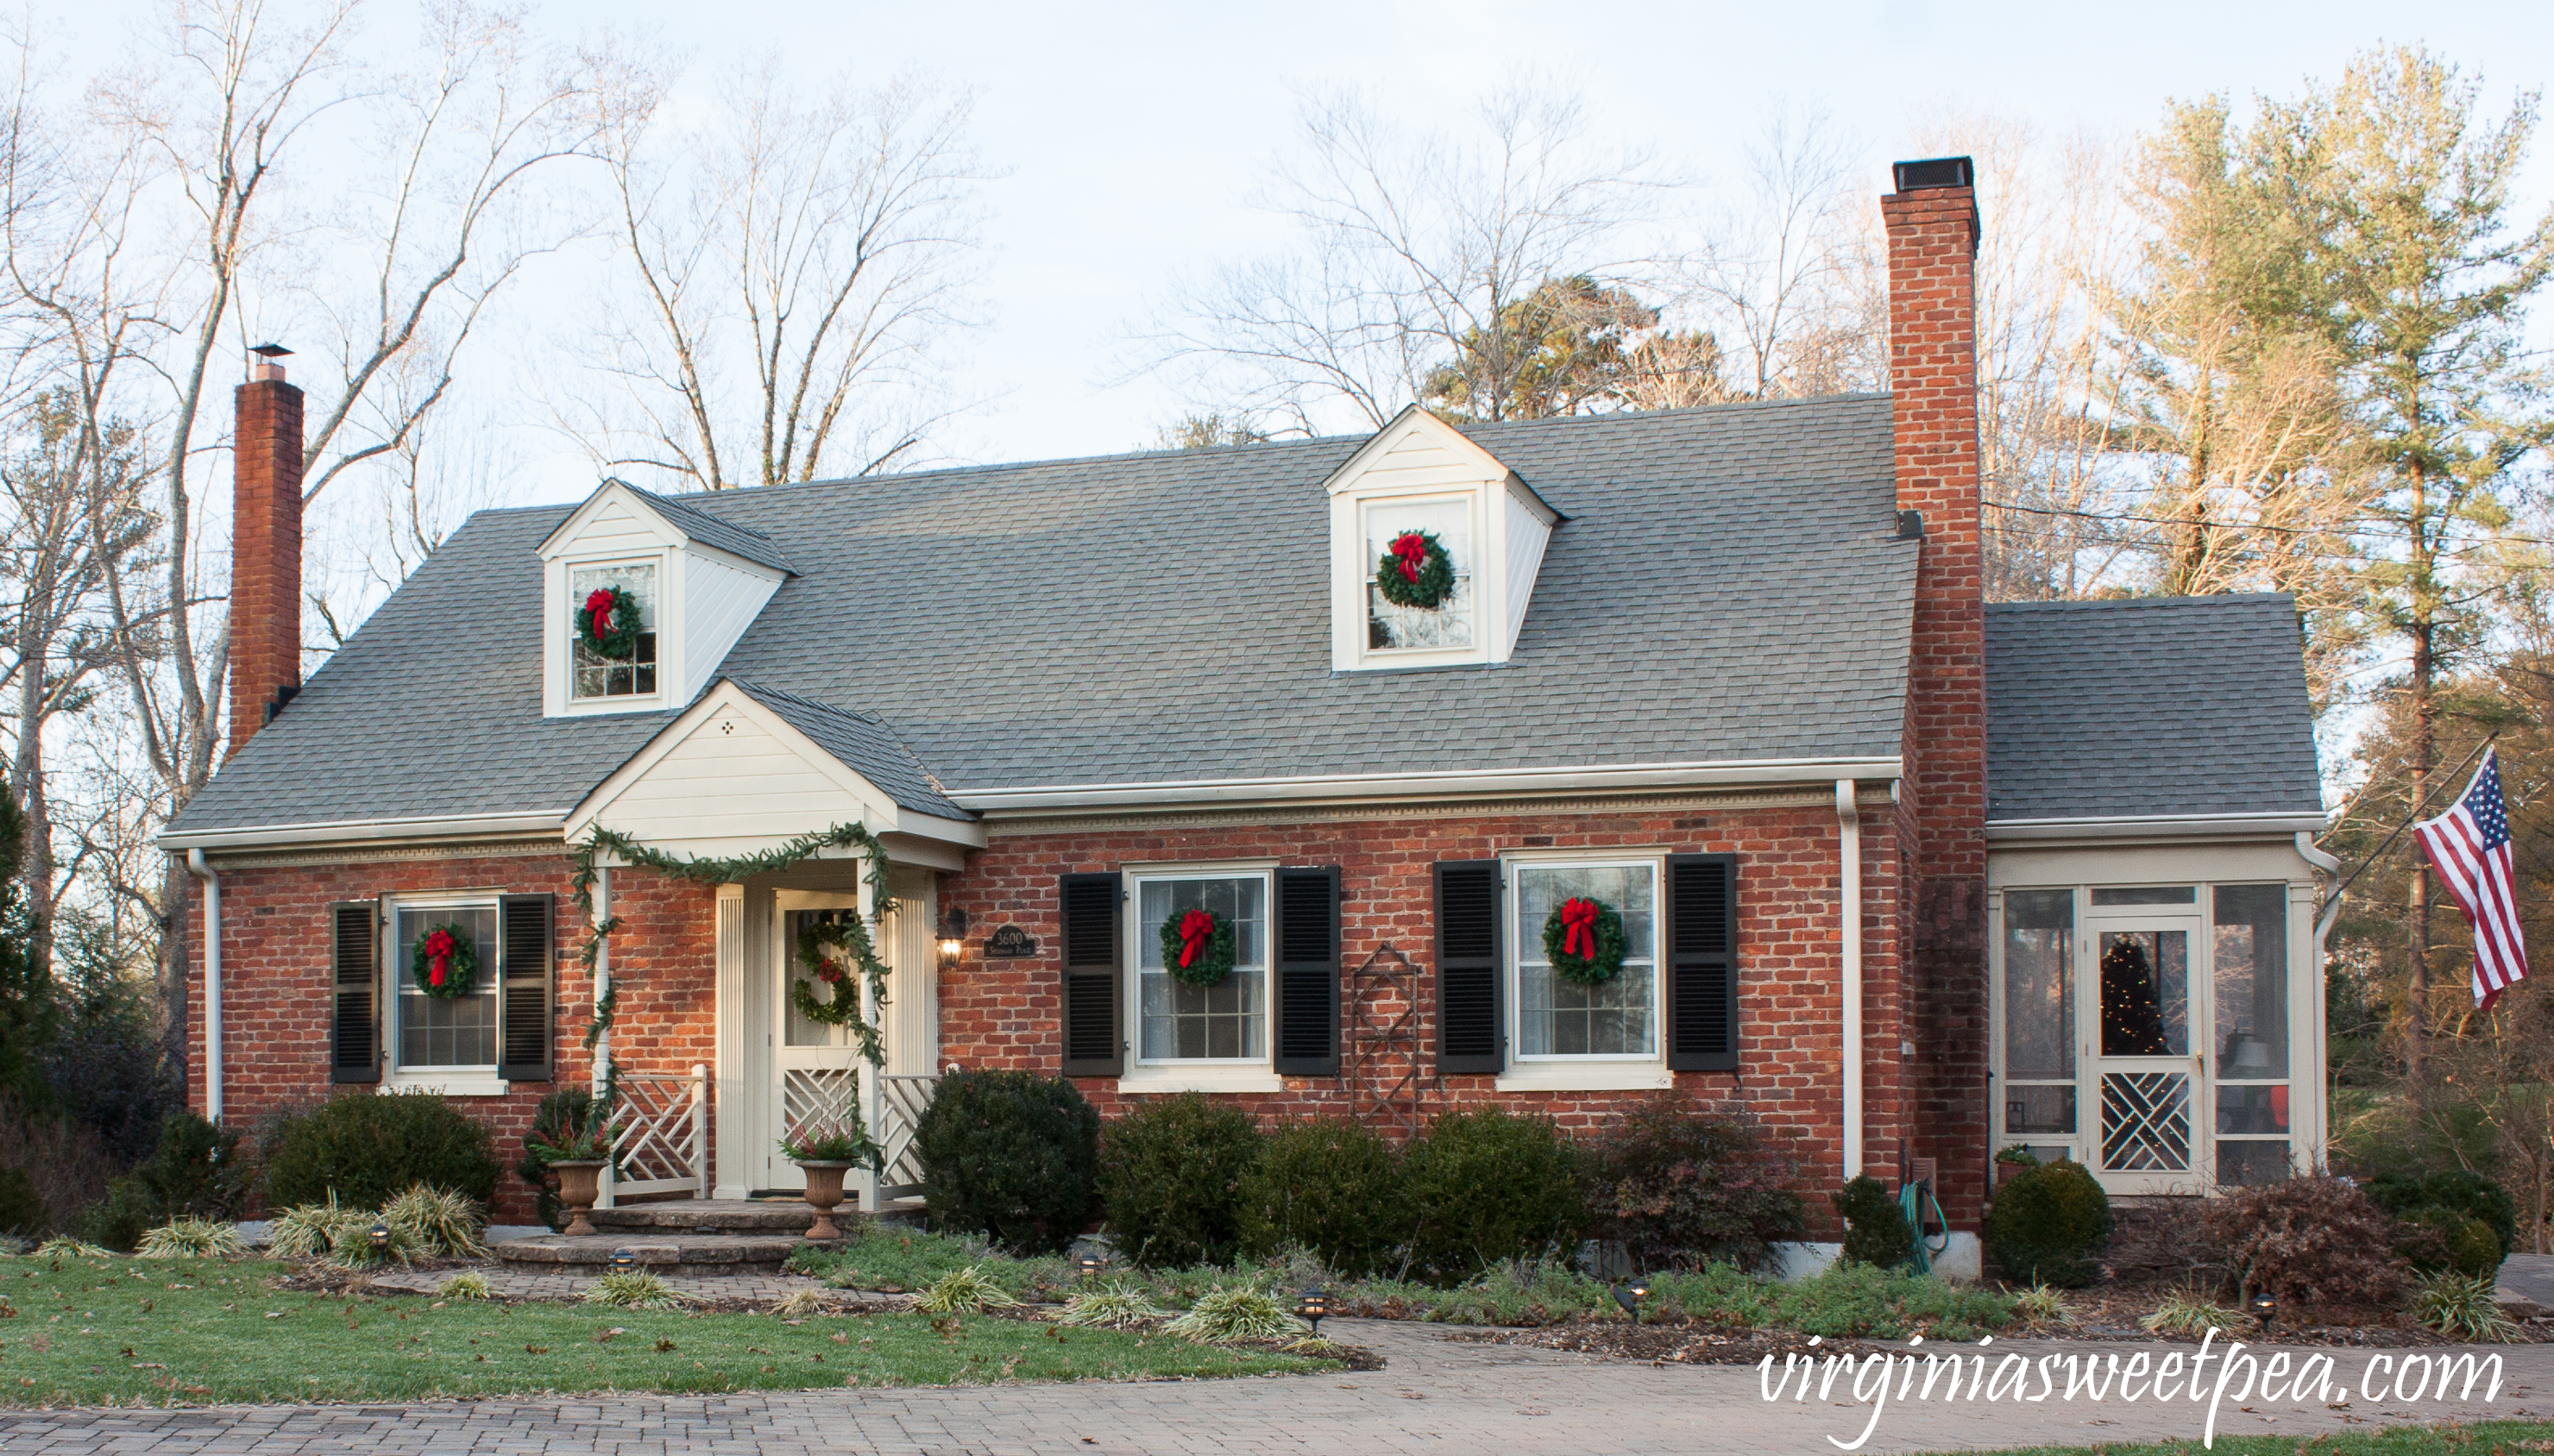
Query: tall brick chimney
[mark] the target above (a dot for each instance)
(266, 545)
(1932, 222)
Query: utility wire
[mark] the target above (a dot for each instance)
(2224, 525)
(2447, 779)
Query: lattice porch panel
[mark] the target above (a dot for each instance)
(901, 1102)
(2146, 1121)
(657, 1144)
(819, 1094)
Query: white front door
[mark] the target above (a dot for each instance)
(815, 1066)
(2140, 1013)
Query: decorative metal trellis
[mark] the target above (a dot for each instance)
(1389, 1078)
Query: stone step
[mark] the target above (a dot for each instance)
(770, 1216)
(656, 1252)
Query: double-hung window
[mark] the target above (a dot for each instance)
(1183, 1028)
(632, 674)
(443, 1038)
(1568, 1031)
(1448, 624)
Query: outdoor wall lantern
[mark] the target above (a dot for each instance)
(624, 1261)
(953, 938)
(1315, 1304)
(2264, 1306)
(1630, 1297)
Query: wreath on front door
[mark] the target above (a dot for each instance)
(608, 623)
(1197, 949)
(1583, 941)
(815, 939)
(444, 963)
(1416, 572)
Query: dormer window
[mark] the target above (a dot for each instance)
(599, 676)
(1449, 623)
(1420, 476)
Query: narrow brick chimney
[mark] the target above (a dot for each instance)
(266, 545)
(1932, 222)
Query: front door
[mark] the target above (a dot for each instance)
(2146, 1078)
(815, 1068)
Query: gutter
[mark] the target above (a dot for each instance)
(356, 831)
(2314, 856)
(1464, 783)
(197, 866)
(1849, 923)
(2157, 827)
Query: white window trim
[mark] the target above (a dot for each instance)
(1525, 1073)
(1236, 1074)
(559, 635)
(1477, 536)
(446, 1082)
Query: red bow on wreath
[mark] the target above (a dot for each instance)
(1195, 928)
(439, 952)
(829, 972)
(1579, 926)
(1412, 548)
(598, 604)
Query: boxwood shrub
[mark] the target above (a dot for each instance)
(1331, 1185)
(369, 1148)
(1487, 1186)
(1171, 1174)
(1013, 1155)
(2049, 1224)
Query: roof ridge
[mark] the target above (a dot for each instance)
(759, 690)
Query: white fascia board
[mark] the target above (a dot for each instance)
(557, 543)
(1454, 784)
(544, 824)
(2154, 827)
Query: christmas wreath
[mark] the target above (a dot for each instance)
(608, 623)
(1196, 947)
(1416, 572)
(445, 963)
(815, 940)
(1583, 941)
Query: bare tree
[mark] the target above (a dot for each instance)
(818, 248)
(1782, 270)
(1418, 251)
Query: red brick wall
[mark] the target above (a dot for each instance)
(266, 551)
(276, 985)
(1933, 388)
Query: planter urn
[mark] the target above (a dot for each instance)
(580, 1183)
(824, 1191)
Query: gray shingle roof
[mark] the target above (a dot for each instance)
(709, 531)
(863, 744)
(1728, 588)
(2148, 707)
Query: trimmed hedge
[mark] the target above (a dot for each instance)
(1013, 1155)
(1682, 1185)
(2048, 1224)
(369, 1148)
(1876, 1230)
(1487, 1186)
(1330, 1185)
(1170, 1177)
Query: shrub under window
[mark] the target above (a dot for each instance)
(1011, 1155)
(369, 1149)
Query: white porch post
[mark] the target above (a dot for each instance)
(1849, 918)
(864, 1073)
(602, 989)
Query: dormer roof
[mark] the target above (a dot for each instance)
(677, 523)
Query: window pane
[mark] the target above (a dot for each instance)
(1449, 622)
(597, 676)
(1557, 1018)
(1225, 1022)
(2243, 1163)
(799, 1031)
(2039, 1109)
(2040, 984)
(2252, 981)
(2145, 993)
(440, 1032)
(2253, 1110)
(2167, 895)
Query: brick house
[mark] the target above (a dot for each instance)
(1914, 876)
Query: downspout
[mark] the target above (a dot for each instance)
(1849, 924)
(2331, 866)
(197, 866)
(2332, 911)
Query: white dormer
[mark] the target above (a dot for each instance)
(1420, 473)
(699, 583)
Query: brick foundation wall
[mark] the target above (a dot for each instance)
(1933, 392)
(276, 987)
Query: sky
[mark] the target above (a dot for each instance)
(1130, 136)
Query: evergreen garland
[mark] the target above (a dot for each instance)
(1215, 953)
(1421, 575)
(1582, 968)
(617, 611)
(460, 968)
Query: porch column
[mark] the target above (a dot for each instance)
(602, 989)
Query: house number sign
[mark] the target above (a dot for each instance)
(1010, 941)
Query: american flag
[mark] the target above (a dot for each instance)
(2470, 848)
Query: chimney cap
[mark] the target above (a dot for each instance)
(270, 351)
(1935, 171)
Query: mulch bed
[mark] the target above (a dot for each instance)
(1670, 1344)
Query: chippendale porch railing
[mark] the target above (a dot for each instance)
(664, 1142)
(899, 1106)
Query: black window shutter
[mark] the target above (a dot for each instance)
(527, 965)
(1471, 1033)
(355, 1022)
(1094, 1045)
(1702, 962)
(1308, 972)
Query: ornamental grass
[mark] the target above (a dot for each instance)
(964, 1292)
(2462, 1308)
(1246, 1312)
(311, 1230)
(2190, 1312)
(60, 1245)
(191, 1238)
(470, 1283)
(635, 1292)
(442, 1223)
(1119, 1303)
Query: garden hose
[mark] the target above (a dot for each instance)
(1913, 1197)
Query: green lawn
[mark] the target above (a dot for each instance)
(138, 1331)
(2484, 1438)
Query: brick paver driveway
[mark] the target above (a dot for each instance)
(1459, 1399)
